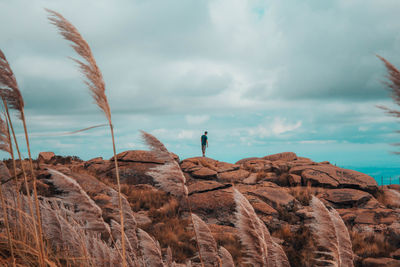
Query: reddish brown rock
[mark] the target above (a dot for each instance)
(271, 194)
(204, 186)
(252, 179)
(217, 205)
(390, 197)
(204, 173)
(195, 164)
(138, 156)
(380, 262)
(280, 166)
(226, 167)
(45, 157)
(327, 175)
(346, 197)
(189, 166)
(294, 179)
(233, 176)
(284, 156)
(242, 161)
(4, 172)
(257, 165)
(376, 216)
(262, 208)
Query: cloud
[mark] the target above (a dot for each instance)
(196, 119)
(277, 127)
(186, 134)
(264, 71)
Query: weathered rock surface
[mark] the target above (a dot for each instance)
(346, 197)
(380, 262)
(204, 186)
(285, 156)
(271, 194)
(331, 176)
(278, 187)
(233, 176)
(391, 197)
(4, 172)
(216, 205)
(45, 157)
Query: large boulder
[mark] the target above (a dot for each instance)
(390, 197)
(194, 164)
(233, 176)
(345, 197)
(330, 176)
(134, 167)
(204, 173)
(370, 216)
(284, 156)
(270, 193)
(217, 205)
(201, 186)
(45, 157)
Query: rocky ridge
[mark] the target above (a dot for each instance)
(278, 187)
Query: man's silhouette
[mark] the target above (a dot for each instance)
(204, 143)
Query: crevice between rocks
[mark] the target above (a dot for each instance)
(210, 190)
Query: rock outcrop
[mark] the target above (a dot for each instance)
(279, 187)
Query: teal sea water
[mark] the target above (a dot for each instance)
(385, 175)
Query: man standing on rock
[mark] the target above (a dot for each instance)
(204, 143)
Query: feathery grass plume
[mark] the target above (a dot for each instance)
(168, 258)
(226, 257)
(332, 237)
(393, 85)
(109, 207)
(151, 250)
(261, 250)
(78, 247)
(87, 211)
(207, 244)
(169, 176)
(12, 97)
(346, 255)
(10, 92)
(95, 83)
(6, 146)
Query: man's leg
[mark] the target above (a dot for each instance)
(203, 149)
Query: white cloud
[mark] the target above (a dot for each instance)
(317, 142)
(280, 126)
(196, 119)
(277, 127)
(186, 134)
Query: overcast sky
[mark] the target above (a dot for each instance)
(261, 76)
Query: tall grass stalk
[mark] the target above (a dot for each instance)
(94, 80)
(13, 98)
(15, 177)
(6, 146)
(170, 178)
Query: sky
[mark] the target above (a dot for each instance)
(261, 77)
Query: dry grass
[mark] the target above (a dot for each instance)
(231, 242)
(166, 225)
(371, 244)
(304, 193)
(298, 244)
